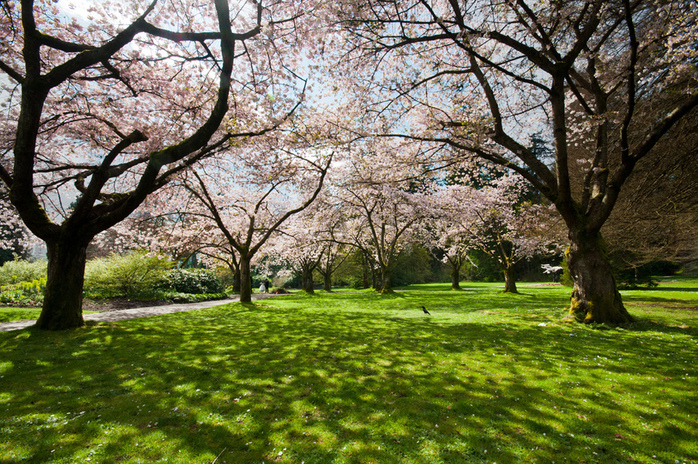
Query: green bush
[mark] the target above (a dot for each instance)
(131, 275)
(193, 281)
(176, 297)
(19, 270)
(566, 278)
(24, 293)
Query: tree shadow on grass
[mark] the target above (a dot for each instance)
(326, 385)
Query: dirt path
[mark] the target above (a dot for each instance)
(135, 313)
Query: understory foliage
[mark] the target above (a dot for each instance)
(19, 270)
(24, 293)
(131, 275)
(139, 274)
(194, 281)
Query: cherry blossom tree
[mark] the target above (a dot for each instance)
(381, 213)
(450, 247)
(482, 77)
(305, 243)
(445, 238)
(243, 200)
(334, 256)
(655, 217)
(104, 103)
(498, 220)
(300, 247)
(15, 239)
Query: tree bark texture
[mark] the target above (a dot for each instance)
(307, 281)
(385, 284)
(236, 280)
(245, 280)
(455, 277)
(62, 308)
(327, 281)
(510, 279)
(595, 296)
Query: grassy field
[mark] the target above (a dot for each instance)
(359, 378)
(18, 314)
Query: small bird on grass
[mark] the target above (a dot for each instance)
(425, 311)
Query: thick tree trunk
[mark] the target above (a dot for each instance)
(385, 284)
(236, 280)
(327, 281)
(245, 280)
(62, 308)
(510, 279)
(595, 297)
(455, 277)
(307, 281)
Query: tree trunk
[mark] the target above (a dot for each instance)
(510, 279)
(245, 280)
(385, 283)
(455, 277)
(236, 280)
(307, 280)
(327, 281)
(62, 308)
(595, 297)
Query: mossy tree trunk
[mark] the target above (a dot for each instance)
(455, 278)
(510, 279)
(385, 280)
(595, 296)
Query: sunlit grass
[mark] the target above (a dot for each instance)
(361, 377)
(22, 314)
(18, 314)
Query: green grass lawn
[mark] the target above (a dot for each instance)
(19, 314)
(362, 377)
(9, 314)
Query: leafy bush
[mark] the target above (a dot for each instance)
(176, 297)
(132, 275)
(24, 293)
(19, 270)
(566, 278)
(193, 281)
(637, 286)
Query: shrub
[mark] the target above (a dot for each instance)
(193, 281)
(19, 270)
(566, 278)
(130, 275)
(24, 293)
(176, 297)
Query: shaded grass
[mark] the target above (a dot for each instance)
(360, 377)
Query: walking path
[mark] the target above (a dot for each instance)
(135, 313)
